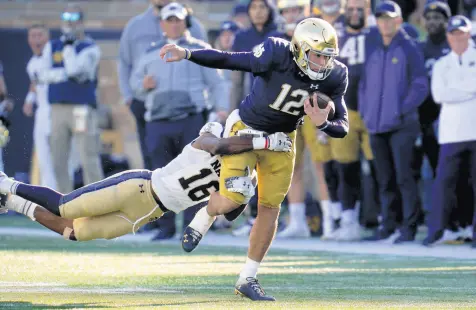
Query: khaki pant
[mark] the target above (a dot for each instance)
(80, 122)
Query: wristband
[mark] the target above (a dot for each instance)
(188, 53)
(30, 97)
(260, 143)
(323, 126)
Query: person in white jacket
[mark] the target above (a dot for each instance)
(38, 36)
(453, 85)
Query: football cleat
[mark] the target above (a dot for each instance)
(191, 238)
(252, 290)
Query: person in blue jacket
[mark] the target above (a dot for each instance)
(393, 84)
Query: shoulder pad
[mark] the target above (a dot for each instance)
(214, 128)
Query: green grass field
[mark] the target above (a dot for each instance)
(50, 273)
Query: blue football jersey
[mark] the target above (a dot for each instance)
(352, 54)
(276, 100)
(432, 52)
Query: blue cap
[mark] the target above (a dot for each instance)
(239, 9)
(229, 26)
(438, 6)
(388, 8)
(459, 22)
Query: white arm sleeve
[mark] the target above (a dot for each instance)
(440, 90)
(81, 66)
(50, 75)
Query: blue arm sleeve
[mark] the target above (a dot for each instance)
(338, 127)
(258, 61)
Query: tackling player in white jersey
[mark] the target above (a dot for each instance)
(38, 36)
(124, 202)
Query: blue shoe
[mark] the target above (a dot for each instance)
(191, 238)
(252, 290)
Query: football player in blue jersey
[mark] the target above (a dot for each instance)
(286, 73)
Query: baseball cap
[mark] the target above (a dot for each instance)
(229, 26)
(388, 8)
(239, 9)
(459, 22)
(173, 9)
(438, 6)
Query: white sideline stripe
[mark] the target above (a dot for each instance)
(55, 289)
(296, 245)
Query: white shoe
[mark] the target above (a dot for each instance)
(348, 232)
(467, 233)
(245, 229)
(450, 237)
(295, 230)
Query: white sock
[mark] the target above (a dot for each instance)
(20, 205)
(348, 216)
(249, 270)
(202, 221)
(327, 220)
(8, 186)
(336, 210)
(297, 213)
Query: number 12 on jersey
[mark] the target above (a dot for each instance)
(291, 106)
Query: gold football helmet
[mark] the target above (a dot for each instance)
(314, 35)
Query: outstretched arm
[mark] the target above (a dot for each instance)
(259, 61)
(208, 142)
(208, 57)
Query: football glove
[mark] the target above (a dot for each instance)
(242, 185)
(279, 142)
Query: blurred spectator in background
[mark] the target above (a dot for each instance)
(138, 35)
(346, 152)
(175, 99)
(436, 17)
(331, 12)
(392, 86)
(71, 67)
(262, 16)
(6, 106)
(224, 42)
(240, 16)
(470, 10)
(453, 84)
(37, 99)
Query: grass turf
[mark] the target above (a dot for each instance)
(44, 273)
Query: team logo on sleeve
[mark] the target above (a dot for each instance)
(258, 50)
(57, 57)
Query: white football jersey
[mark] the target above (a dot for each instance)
(188, 179)
(34, 68)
